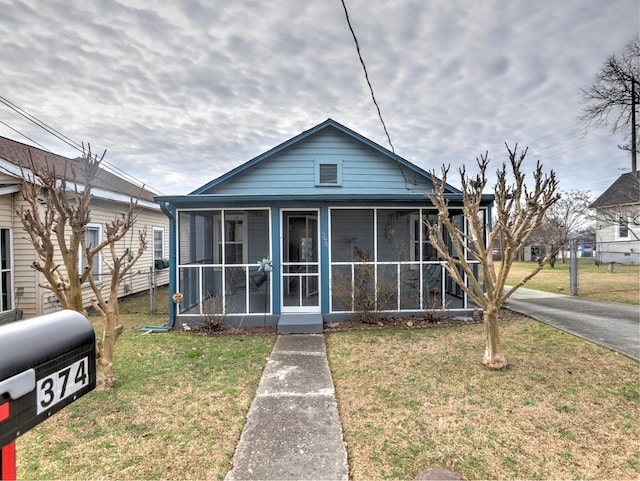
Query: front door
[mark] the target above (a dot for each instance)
(300, 261)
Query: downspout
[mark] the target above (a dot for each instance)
(172, 274)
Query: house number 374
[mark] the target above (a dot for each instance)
(62, 384)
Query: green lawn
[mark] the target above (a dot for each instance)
(413, 399)
(177, 411)
(594, 282)
(408, 399)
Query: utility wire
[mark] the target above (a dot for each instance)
(25, 136)
(373, 96)
(60, 136)
(41, 124)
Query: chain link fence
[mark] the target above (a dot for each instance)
(607, 271)
(141, 291)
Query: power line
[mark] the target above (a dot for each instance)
(67, 140)
(366, 74)
(25, 136)
(373, 97)
(41, 124)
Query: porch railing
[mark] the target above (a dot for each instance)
(223, 289)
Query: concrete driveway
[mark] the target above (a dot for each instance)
(612, 325)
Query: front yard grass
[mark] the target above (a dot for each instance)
(177, 411)
(412, 399)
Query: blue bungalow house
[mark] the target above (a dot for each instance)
(342, 222)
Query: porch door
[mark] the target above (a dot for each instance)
(300, 261)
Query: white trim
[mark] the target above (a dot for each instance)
(618, 224)
(98, 227)
(28, 176)
(9, 189)
(10, 269)
(318, 264)
(153, 250)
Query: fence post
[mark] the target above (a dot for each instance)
(573, 267)
(152, 291)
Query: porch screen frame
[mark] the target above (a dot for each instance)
(411, 264)
(217, 263)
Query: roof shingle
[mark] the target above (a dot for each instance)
(18, 154)
(624, 191)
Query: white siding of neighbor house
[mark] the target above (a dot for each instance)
(37, 300)
(607, 229)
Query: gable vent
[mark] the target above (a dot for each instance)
(328, 173)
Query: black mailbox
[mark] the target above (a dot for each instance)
(45, 364)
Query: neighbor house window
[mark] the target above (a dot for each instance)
(623, 228)
(92, 237)
(328, 173)
(6, 275)
(158, 244)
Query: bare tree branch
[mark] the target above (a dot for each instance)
(518, 212)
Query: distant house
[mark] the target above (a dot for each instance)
(342, 221)
(618, 221)
(19, 283)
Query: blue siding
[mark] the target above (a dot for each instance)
(292, 171)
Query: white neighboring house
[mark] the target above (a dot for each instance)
(618, 221)
(20, 289)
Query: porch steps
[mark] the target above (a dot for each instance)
(300, 324)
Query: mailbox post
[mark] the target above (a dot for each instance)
(46, 363)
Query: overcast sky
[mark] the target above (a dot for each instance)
(180, 92)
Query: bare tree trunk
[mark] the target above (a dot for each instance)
(111, 330)
(493, 357)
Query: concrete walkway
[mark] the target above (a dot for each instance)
(610, 324)
(293, 430)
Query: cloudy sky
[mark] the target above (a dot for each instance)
(181, 91)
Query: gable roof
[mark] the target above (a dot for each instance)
(327, 124)
(17, 155)
(624, 191)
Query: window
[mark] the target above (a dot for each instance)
(623, 228)
(6, 275)
(158, 245)
(233, 239)
(92, 237)
(419, 232)
(328, 173)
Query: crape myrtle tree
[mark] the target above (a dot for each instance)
(518, 211)
(55, 217)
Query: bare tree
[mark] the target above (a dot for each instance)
(55, 218)
(518, 212)
(613, 97)
(568, 216)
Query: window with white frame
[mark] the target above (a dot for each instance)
(6, 274)
(158, 244)
(623, 227)
(92, 237)
(231, 240)
(419, 232)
